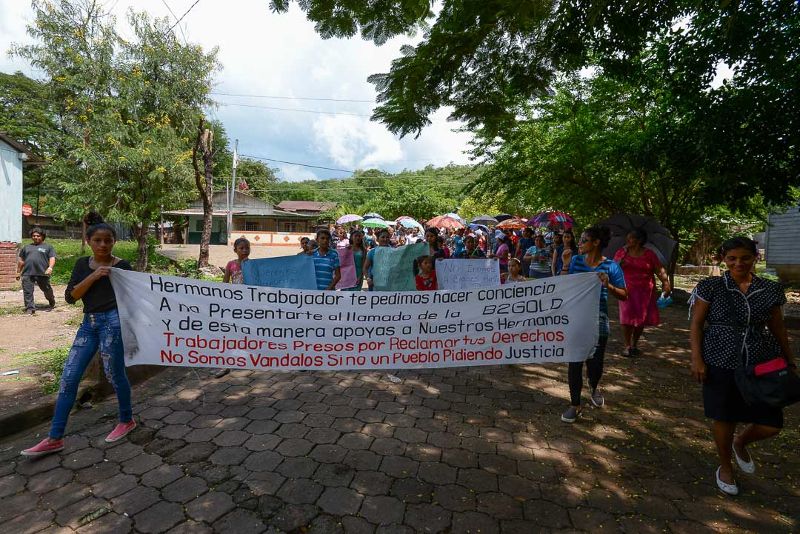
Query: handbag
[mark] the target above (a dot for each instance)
(771, 383)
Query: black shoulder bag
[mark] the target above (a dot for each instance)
(771, 383)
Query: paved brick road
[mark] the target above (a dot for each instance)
(467, 450)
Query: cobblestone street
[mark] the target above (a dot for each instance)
(448, 450)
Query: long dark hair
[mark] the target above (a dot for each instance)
(363, 246)
(574, 244)
(435, 232)
(95, 222)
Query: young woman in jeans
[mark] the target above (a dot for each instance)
(591, 259)
(100, 329)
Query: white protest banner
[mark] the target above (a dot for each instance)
(168, 320)
(467, 274)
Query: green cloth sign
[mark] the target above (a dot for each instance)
(393, 268)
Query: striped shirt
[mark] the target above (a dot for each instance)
(615, 278)
(324, 267)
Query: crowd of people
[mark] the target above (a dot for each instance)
(737, 318)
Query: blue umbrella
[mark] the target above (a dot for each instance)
(373, 215)
(410, 223)
(475, 226)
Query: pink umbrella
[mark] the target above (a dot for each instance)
(443, 221)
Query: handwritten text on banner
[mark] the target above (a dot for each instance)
(177, 321)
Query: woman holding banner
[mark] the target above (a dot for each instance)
(591, 259)
(359, 258)
(100, 330)
(369, 263)
(437, 250)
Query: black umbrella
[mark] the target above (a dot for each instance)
(659, 240)
(503, 216)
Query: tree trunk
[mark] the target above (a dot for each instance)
(141, 231)
(203, 144)
(205, 237)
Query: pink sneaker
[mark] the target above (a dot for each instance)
(46, 446)
(120, 431)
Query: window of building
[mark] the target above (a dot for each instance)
(252, 226)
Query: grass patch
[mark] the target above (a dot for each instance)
(11, 310)
(48, 361)
(68, 251)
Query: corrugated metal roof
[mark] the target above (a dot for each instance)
(306, 205)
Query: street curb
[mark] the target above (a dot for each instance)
(99, 389)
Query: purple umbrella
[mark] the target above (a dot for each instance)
(349, 218)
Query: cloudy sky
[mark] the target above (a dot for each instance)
(281, 56)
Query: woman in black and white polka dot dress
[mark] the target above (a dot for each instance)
(723, 305)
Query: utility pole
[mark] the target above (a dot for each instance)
(229, 221)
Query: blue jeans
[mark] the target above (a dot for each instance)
(97, 331)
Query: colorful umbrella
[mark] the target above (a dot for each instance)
(484, 219)
(408, 222)
(552, 219)
(349, 218)
(456, 217)
(375, 223)
(443, 221)
(513, 224)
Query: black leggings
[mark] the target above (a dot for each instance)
(594, 370)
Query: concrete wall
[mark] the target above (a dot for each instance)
(10, 194)
(291, 239)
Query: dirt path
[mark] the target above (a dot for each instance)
(21, 336)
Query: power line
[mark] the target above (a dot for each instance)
(175, 17)
(186, 13)
(296, 163)
(294, 97)
(293, 109)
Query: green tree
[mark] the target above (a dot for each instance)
(598, 146)
(259, 178)
(128, 110)
(488, 60)
(26, 113)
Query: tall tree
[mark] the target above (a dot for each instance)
(203, 150)
(128, 107)
(487, 60)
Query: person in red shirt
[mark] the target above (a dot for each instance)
(426, 279)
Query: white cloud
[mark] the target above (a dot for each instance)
(296, 173)
(356, 142)
(268, 54)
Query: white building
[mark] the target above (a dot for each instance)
(783, 243)
(13, 157)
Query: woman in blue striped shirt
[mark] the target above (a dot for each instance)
(593, 240)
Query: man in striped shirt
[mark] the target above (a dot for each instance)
(326, 262)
